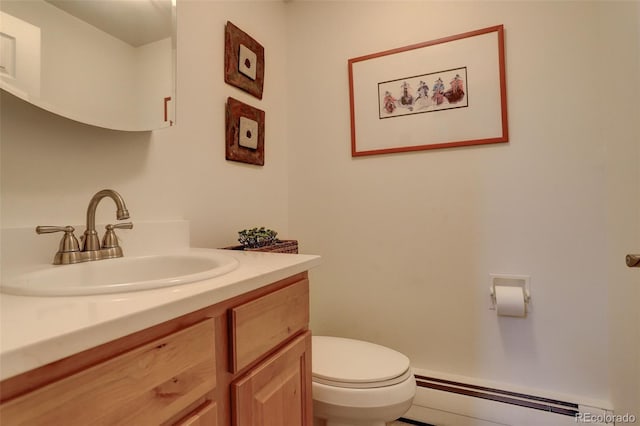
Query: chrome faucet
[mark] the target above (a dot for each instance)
(70, 251)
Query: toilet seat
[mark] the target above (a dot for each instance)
(348, 363)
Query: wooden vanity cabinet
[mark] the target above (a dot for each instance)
(242, 362)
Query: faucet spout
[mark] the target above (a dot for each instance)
(91, 240)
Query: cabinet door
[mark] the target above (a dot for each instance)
(278, 391)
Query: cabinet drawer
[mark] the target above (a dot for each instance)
(146, 385)
(206, 415)
(260, 325)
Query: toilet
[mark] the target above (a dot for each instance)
(357, 383)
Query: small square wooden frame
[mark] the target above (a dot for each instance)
(234, 37)
(234, 151)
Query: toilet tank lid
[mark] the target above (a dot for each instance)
(339, 359)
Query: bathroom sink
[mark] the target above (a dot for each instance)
(125, 274)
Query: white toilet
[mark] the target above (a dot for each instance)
(358, 383)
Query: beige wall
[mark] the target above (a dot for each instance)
(52, 166)
(410, 239)
(622, 136)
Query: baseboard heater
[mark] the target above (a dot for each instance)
(523, 400)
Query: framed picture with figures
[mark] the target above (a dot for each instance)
(442, 93)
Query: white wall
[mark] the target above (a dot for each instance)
(50, 166)
(409, 240)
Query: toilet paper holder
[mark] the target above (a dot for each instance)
(509, 280)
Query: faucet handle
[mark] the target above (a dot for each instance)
(69, 242)
(110, 240)
(52, 229)
(69, 250)
(125, 225)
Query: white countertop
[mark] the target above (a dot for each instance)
(35, 331)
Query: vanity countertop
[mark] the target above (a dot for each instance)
(35, 331)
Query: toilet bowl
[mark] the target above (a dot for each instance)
(356, 383)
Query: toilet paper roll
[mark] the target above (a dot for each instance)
(510, 301)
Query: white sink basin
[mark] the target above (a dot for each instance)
(120, 275)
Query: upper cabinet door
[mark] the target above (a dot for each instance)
(104, 63)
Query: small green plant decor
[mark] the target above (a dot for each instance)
(257, 237)
(265, 240)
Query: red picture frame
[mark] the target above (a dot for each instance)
(437, 105)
